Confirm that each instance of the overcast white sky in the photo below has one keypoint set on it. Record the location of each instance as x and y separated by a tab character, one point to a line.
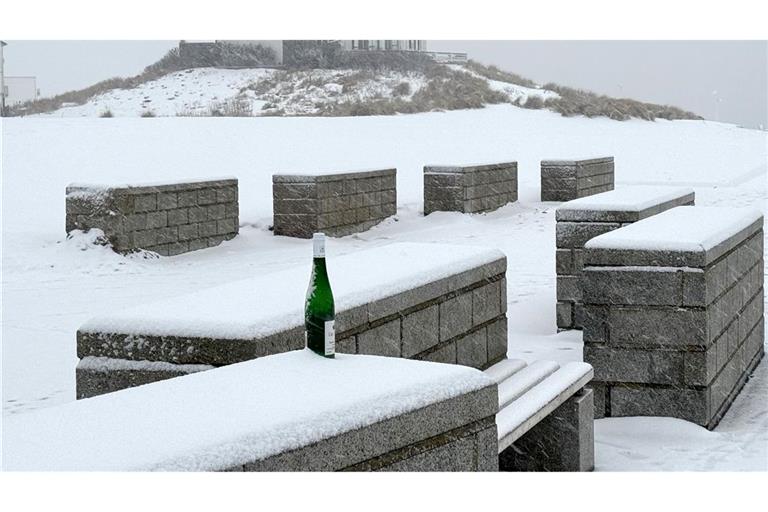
725	80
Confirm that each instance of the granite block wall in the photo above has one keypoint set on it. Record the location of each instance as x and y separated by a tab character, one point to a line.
674	332
458	434
336	204
562	441
564	180
576	224
469	189
460	319
168	219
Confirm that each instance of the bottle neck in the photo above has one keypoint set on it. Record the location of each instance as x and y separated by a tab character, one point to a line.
320	269
318	248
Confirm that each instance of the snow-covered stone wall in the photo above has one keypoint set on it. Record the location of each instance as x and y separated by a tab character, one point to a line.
289	412
336	204
582	219
167	218
673	313
469	189
432	302
563	180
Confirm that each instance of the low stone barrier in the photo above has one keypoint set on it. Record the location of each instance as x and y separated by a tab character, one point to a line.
288	412
469	189
434	302
336	204
564	180
582	219
673	321
168	219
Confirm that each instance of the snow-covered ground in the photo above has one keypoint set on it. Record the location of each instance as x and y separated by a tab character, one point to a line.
187	92
195	92
52	285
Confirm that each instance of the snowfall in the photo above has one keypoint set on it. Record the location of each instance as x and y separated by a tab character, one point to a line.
52	284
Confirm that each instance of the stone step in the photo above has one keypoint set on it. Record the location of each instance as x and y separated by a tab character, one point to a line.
521	415
505	369
518	384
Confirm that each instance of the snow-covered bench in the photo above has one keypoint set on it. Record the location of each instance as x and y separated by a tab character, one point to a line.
546	415
674	312
435	302
563	180
289	412
582	219
338	204
469	188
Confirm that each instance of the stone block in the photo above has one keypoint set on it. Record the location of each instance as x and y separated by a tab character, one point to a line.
496	333
472	349
569	288
421	330
145	203
469	189
635	365
564	180
563	441
383	340
157	219
564	261
486	303
629	286
216	212
455	316
685	403
564	312
136	222
338	204
225	226
185	199
146	217
206	197
576	234
188	232
671	322
347	345
167	201
177	217
445	354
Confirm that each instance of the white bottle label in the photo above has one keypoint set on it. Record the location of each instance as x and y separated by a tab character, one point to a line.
330	338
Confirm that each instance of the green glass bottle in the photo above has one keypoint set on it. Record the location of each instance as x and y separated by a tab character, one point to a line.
319	311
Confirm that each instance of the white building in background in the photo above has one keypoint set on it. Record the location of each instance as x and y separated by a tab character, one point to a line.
404	45
352	45
19	89
413	45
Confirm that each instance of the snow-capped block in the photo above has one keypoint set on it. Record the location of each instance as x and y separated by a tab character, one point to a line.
469	188
336	203
564	180
436	302
673	312
581	219
684	236
168	218
626	204
288	412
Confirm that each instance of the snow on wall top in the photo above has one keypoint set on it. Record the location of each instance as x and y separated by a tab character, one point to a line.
272	303
229	416
74	189
634	198
684	229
